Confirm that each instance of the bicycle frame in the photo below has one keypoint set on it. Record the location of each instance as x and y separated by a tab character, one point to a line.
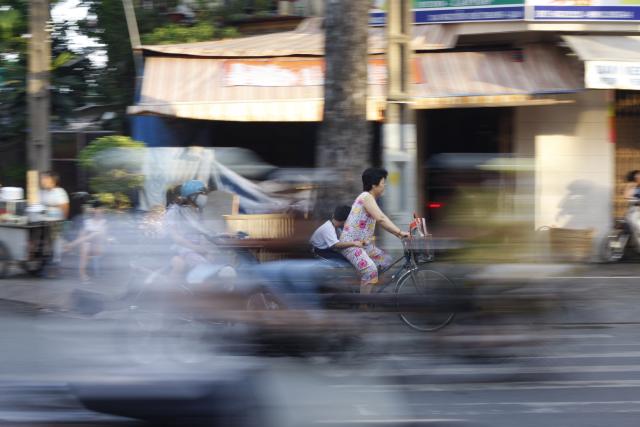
409	265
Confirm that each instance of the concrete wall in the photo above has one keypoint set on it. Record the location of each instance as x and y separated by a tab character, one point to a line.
573	180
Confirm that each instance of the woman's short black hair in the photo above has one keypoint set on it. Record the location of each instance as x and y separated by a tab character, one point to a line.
631	176
341	213
372	176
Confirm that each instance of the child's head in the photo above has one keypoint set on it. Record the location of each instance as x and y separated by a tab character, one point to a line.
340	215
95	208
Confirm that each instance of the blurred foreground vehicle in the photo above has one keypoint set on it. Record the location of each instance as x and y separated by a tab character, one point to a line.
287	298
243	393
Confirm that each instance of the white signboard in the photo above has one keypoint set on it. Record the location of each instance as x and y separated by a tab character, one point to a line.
612	75
583	10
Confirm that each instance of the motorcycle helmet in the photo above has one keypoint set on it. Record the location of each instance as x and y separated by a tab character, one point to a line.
191	188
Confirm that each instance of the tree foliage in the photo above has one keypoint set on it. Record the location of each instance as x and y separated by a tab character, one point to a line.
174	33
114	163
106	23
72	74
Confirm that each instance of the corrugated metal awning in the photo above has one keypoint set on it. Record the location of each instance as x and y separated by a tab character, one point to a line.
605	48
268	90
291	89
495	77
611	62
307	39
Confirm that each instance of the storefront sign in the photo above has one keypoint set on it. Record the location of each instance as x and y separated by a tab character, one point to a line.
584	10
441	11
306	72
612	75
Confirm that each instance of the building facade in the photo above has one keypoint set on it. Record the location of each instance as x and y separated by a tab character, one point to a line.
552	85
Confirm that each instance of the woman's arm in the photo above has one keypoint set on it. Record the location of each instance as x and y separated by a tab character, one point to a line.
374	210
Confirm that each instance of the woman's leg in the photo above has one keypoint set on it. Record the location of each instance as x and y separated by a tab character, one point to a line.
365	266
85	249
379	257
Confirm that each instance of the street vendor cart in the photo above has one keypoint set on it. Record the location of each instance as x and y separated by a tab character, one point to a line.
26	245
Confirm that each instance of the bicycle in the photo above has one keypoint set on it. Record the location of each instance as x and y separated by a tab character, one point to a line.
422	297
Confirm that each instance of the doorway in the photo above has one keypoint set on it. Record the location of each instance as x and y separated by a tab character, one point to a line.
463	148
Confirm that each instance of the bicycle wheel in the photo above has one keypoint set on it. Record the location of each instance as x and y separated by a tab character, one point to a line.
263	301
5	260
424	299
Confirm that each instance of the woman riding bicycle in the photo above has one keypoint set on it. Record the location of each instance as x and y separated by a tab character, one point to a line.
360	226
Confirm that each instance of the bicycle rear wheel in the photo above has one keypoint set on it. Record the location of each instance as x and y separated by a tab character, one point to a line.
424	299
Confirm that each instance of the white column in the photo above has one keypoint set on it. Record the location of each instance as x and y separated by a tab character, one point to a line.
399	153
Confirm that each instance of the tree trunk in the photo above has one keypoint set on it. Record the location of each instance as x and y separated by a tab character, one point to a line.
344	143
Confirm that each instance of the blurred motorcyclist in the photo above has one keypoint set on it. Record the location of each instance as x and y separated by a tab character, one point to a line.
191	239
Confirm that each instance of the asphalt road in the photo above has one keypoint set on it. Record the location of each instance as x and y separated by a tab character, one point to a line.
578	365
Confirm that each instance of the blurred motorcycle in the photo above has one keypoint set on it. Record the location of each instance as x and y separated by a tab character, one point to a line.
618	239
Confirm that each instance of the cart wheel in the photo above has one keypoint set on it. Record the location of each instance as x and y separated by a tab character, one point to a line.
34	267
5	260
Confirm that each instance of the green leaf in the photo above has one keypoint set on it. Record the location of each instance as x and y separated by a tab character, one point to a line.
62	59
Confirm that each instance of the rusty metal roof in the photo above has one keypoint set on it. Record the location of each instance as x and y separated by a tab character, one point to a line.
291	89
535	69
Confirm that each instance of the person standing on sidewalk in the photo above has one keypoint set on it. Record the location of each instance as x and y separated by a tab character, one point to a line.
56	200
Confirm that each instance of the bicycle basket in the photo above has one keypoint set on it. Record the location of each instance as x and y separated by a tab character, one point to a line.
420	248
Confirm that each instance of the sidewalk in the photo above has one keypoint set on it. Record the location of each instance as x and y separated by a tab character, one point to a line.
53	293
42	292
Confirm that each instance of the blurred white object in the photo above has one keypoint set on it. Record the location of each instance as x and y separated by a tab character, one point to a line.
166	167
244	162
11	193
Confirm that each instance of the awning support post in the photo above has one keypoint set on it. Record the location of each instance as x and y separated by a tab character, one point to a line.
399	148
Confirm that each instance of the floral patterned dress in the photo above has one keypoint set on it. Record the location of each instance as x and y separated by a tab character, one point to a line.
361	226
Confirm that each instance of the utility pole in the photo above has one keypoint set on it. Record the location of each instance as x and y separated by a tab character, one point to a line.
134	37
38	98
399	149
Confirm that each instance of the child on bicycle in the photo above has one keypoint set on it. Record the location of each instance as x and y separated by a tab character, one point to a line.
325	241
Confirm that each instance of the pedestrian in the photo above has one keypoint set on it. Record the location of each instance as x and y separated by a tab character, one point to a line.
361	225
54	197
56	200
91	239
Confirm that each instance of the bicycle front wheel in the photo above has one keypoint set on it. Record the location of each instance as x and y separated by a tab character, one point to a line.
424	299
